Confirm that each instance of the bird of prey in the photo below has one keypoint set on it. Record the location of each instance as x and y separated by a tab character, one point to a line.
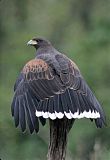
50	86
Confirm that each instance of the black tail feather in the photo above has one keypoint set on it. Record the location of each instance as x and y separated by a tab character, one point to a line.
42	120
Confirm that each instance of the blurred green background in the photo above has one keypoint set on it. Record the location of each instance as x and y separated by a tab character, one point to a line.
78	28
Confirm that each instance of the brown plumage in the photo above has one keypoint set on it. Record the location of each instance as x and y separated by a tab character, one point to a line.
51	86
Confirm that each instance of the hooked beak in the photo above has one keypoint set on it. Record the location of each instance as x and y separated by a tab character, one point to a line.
31	42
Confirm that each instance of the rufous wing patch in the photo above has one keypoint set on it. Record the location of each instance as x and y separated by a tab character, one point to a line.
36	65
37	69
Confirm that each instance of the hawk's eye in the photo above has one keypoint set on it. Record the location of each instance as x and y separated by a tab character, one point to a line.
39	40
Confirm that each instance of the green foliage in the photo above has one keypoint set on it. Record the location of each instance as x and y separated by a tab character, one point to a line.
83	32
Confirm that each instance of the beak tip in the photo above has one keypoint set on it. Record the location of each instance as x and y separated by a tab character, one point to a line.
31	42
27	44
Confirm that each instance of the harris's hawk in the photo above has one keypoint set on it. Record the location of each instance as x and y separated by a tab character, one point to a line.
51	86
